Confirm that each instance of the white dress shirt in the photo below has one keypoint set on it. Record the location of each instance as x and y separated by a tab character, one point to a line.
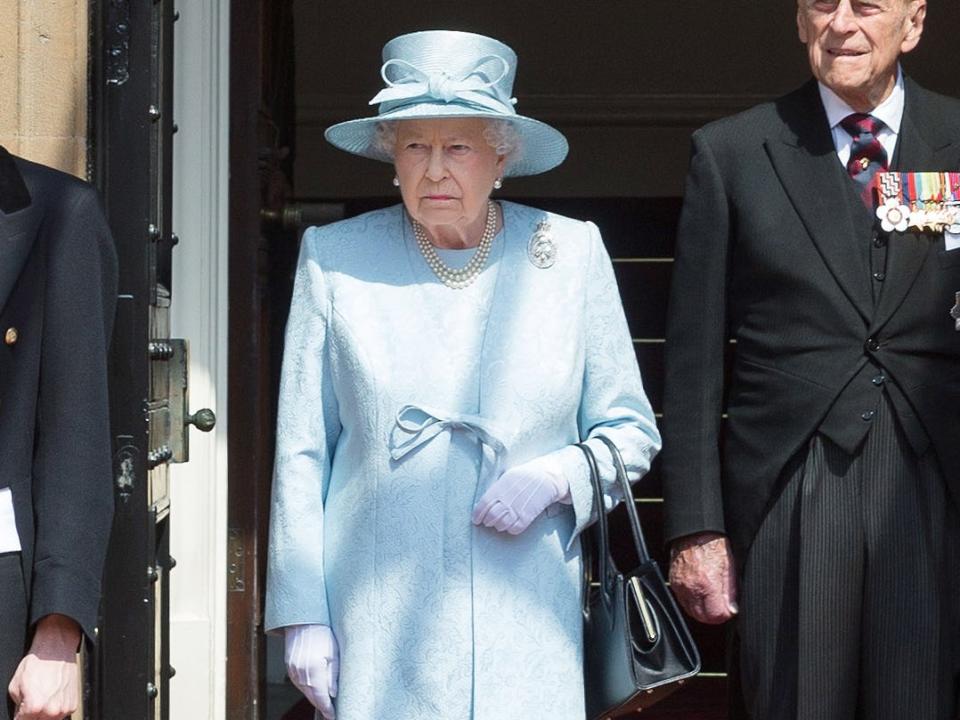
9	539
890	112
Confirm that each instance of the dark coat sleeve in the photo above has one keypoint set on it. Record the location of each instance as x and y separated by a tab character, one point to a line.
696	344
72	487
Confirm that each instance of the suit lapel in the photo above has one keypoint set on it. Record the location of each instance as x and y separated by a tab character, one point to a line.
15	224
806	163
921	147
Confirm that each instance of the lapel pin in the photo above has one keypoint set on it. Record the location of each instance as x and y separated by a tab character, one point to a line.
955	313
10	336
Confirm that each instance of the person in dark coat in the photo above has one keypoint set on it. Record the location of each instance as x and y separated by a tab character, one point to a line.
58	287
821	513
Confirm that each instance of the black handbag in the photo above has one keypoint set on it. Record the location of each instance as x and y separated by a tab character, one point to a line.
637	648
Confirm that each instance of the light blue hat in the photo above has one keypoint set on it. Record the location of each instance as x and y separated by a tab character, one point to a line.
444	73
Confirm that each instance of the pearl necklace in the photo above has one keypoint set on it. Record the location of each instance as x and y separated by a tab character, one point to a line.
453	278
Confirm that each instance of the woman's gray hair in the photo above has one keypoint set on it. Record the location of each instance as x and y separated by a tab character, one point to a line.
501	135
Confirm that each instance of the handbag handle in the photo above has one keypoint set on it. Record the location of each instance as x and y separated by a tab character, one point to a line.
638	538
603	552
639	541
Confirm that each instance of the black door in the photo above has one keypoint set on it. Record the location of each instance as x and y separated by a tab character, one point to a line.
132	110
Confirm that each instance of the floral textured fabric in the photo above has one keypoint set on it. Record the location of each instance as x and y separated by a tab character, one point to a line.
401	400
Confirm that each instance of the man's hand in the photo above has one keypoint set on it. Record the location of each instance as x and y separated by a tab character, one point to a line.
703	577
46	685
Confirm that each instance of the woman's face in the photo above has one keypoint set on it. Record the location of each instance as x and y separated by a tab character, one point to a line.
446	170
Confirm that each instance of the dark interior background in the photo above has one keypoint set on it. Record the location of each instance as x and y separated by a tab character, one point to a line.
627	81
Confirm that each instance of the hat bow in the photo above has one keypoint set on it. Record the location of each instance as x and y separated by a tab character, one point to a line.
413	85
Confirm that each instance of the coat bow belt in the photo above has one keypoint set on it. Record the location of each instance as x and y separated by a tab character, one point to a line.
417	425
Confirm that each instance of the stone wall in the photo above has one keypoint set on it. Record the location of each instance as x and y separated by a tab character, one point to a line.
43	81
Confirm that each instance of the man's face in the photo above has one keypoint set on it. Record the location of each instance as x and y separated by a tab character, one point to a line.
853	45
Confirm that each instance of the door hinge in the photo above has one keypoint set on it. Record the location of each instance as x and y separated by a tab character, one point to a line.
236	561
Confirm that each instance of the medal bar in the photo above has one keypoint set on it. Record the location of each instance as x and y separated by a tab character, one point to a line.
925	201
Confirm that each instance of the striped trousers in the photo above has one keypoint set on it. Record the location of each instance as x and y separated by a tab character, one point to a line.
850	594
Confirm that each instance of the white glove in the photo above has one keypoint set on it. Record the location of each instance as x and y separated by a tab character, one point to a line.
313	664
517	497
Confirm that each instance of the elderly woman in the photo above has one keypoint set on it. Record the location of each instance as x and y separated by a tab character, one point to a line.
442	358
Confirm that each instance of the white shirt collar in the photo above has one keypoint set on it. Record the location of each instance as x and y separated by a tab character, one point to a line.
890	111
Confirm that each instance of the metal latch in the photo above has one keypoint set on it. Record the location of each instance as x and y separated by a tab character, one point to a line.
175	355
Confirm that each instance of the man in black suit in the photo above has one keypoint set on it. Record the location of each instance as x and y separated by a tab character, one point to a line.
58	284
822	512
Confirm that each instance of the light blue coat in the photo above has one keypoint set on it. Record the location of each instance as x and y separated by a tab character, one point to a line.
400	401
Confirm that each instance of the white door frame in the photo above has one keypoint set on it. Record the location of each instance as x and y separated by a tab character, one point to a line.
199	313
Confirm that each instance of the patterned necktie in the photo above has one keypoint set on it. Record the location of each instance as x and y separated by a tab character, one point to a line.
867	156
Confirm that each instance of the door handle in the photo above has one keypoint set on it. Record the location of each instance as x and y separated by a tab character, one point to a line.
203	420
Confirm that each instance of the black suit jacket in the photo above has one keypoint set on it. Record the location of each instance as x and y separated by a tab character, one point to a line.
769	254
58	284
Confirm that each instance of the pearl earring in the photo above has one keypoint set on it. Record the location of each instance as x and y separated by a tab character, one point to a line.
396	181
497	184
